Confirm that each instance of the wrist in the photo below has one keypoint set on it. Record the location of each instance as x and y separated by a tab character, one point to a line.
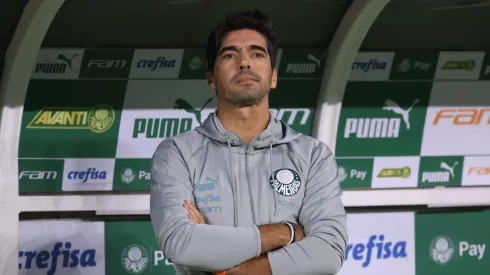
292	232
236	270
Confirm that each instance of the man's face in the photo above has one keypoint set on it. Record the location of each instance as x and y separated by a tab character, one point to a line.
243	74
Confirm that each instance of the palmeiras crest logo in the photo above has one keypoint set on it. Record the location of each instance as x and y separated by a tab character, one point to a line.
285	181
442	250
135	259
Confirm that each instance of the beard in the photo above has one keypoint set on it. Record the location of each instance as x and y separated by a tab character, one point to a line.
246	95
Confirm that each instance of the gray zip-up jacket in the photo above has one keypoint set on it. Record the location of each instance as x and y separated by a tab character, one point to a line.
280	176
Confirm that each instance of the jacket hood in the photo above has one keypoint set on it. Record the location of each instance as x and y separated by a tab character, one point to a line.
277	132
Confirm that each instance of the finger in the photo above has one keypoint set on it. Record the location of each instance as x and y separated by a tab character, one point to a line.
195	220
192	219
193	209
197	215
188	207
194	215
201	220
192	212
200	217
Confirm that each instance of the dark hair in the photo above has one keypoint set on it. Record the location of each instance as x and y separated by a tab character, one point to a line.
252	19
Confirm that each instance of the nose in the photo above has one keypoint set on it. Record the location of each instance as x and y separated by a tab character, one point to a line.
244	62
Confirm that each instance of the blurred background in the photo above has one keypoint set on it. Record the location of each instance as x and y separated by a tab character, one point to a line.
399	90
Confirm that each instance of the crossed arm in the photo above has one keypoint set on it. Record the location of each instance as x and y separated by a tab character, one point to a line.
272	236
215	248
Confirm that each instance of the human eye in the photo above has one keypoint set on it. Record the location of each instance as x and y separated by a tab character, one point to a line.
227	55
259	55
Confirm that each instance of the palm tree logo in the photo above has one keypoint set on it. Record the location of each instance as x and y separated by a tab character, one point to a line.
184	105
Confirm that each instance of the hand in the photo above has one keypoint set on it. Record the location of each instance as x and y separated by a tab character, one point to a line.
237	270
240	269
194	215
258	265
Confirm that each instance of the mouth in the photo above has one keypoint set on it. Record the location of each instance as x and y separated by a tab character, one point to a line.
246	79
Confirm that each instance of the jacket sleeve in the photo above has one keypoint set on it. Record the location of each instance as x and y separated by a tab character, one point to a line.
323	218
197	246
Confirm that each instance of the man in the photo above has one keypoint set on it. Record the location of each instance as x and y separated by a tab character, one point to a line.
256	182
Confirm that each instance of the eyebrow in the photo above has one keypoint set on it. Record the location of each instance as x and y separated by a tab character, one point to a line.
228	48
257	47
235	49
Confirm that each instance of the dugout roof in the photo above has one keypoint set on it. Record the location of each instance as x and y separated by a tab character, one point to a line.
402	25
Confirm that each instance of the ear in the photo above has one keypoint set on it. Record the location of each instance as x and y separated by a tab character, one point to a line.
210	78
274	79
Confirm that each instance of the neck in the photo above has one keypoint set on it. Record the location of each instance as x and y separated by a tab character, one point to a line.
246	122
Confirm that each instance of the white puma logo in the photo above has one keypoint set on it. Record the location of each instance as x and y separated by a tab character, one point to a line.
391	105
445	166
316	60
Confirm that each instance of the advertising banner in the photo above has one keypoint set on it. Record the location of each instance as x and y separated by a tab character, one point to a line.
383	243
94	117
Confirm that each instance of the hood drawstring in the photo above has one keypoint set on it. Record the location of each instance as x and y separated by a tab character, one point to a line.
272	170
277	132
233	183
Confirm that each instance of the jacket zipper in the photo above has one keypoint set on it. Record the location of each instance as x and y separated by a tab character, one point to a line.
247	150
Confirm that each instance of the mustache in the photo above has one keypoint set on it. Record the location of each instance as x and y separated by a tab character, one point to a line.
254	76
